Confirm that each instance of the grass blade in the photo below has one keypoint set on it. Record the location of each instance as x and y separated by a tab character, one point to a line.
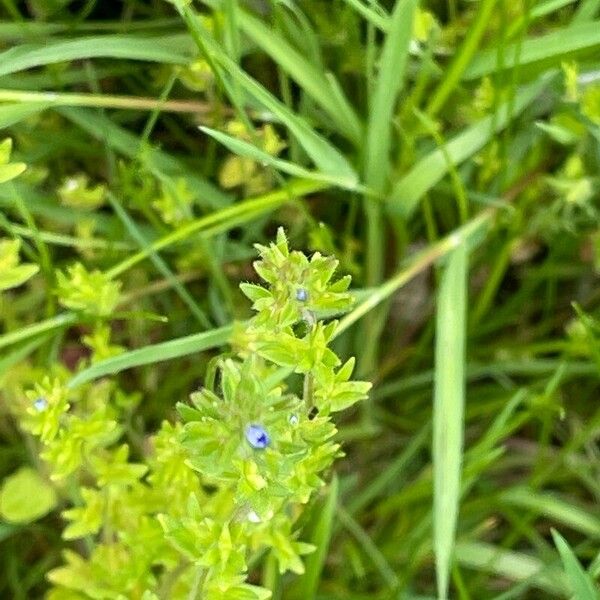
515	566
183	346
554	508
581	583
463	56
326	157
224	219
394	58
553	48
448	410
173	49
24	333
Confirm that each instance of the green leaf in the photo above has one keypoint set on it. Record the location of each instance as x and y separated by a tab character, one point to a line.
555	508
448	410
17	276
552	47
26	497
581	583
153	353
10	171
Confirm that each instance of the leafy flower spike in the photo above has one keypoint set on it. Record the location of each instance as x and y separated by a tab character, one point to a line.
296	283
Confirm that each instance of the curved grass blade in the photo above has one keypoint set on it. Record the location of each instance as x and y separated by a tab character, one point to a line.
462	57
448	410
228	217
325	156
172	49
581	583
183	346
389	83
555	508
551	48
514	566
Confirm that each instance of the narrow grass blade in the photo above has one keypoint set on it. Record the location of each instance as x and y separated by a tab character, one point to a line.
370	549
243	148
448	410
392	474
552	48
320	536
555	508
409	190
307	75
184	346
172	49
394	58
580	582
22	352
24	333
377	18
514	566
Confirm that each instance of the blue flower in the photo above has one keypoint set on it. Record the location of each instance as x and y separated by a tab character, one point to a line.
40	404
257	436
301	295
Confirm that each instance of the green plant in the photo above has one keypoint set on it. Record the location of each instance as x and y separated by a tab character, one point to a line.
447	153
181	516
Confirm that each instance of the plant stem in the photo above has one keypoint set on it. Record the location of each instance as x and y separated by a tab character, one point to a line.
103	101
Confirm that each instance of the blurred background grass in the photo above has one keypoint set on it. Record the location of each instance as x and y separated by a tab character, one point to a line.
446	152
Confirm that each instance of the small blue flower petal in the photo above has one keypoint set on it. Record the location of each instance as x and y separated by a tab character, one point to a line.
293	419
40	404
301	295
257	436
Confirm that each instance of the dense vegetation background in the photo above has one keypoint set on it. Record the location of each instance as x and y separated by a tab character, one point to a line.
162	140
